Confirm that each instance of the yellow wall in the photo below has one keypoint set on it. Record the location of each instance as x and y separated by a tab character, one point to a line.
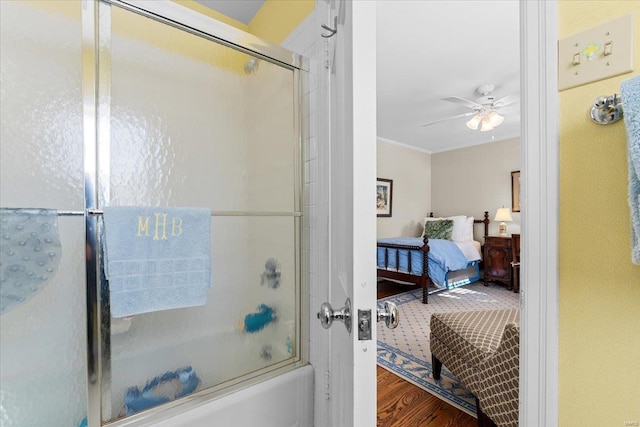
212	14
276	19
599	379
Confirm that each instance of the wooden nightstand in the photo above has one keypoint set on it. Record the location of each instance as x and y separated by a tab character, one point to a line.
497	260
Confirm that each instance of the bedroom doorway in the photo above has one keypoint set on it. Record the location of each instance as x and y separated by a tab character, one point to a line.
539	158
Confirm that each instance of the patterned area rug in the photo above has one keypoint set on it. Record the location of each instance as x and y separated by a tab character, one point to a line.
405	350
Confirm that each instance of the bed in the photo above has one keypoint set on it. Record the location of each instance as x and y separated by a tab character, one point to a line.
439	263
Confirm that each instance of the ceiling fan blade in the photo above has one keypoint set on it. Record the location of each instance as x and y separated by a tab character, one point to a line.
507	100
462	101
449	118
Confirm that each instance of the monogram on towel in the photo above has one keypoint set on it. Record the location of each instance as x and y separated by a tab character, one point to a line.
160	226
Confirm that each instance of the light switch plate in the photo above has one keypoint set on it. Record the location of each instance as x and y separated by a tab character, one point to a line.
597	53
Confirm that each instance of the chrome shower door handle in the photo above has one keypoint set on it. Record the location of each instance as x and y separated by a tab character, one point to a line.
327	315
389	314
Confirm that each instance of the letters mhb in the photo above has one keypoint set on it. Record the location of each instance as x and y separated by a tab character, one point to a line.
162	227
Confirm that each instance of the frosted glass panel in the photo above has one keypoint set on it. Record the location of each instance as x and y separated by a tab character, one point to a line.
42	340
229	337
41	161
193	123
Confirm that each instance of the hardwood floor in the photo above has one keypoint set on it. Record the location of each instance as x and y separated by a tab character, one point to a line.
402	404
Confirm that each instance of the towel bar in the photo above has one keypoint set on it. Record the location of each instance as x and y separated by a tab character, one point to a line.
94	212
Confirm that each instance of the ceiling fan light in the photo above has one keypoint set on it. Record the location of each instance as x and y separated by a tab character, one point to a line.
474	122
495	119
486	125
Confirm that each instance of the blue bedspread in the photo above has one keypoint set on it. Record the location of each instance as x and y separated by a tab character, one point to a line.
444	256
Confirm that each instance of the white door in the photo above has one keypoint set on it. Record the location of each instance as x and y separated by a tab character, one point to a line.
345	393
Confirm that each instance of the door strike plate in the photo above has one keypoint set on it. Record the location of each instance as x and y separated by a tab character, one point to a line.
364	325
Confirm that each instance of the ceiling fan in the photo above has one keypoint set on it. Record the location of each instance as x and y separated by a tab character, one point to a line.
485	111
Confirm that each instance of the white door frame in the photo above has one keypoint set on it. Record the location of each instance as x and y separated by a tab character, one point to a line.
539	160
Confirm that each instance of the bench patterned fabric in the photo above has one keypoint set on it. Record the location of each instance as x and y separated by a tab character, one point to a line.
481	348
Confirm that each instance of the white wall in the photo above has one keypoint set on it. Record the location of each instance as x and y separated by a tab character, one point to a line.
410	170
472	180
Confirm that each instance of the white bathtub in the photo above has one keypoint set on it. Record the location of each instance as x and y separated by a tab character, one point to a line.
159	342
284	401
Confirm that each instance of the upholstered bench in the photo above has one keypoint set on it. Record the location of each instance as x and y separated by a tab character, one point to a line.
481	348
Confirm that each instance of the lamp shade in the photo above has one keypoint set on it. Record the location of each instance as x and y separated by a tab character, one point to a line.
495	119
486	125
485	120
503	214
474	122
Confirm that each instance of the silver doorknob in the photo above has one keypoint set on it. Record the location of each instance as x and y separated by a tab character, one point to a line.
390	315
327	315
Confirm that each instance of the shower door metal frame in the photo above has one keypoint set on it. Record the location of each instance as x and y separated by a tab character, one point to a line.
96	130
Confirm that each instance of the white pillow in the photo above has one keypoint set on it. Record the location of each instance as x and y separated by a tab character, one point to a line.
469	227
460	231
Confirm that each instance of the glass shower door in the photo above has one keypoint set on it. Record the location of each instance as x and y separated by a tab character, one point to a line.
42	267
186	121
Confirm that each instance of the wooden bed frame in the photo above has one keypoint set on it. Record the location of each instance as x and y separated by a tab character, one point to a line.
424	280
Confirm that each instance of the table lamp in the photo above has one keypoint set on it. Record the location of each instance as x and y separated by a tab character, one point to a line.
503	214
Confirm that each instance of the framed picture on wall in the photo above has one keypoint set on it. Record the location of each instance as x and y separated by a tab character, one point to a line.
384	196
515	191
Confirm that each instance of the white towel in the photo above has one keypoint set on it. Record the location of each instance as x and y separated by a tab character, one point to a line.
630	92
